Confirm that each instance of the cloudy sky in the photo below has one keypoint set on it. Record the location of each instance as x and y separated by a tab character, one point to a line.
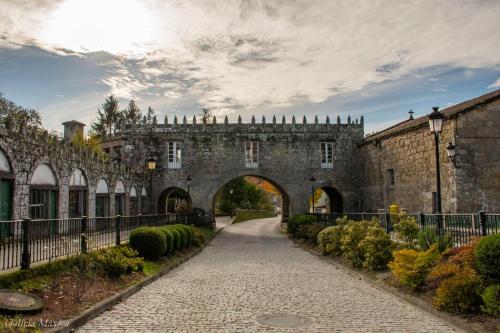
283	57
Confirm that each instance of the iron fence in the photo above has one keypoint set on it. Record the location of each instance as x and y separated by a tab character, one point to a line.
463	228
23	242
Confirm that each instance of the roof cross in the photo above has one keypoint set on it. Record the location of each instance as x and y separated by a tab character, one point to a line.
411	114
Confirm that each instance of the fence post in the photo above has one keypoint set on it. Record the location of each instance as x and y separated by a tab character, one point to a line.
421	217
482	223
117	229
83	235
363	216
140	220
26	255
387	222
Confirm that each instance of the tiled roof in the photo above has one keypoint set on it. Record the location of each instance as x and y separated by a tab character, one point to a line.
419	122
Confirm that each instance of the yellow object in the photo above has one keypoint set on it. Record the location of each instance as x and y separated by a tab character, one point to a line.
394	209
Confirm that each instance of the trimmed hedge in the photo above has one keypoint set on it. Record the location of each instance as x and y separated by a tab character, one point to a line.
150	242
183	234
170	239
294	222
189	232
177	237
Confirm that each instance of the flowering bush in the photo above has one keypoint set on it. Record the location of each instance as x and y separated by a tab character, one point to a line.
407	230
376	248
459	293
411	267
329	240
354	233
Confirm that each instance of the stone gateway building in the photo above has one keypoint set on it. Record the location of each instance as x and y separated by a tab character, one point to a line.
45	177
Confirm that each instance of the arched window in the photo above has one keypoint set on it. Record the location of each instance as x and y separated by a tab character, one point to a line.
78	194
119	198
43	193
133	201
144	201
102	199
6	190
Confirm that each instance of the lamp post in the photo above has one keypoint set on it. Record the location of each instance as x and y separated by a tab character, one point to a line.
312	180
436	125
232	209
151	165
188	184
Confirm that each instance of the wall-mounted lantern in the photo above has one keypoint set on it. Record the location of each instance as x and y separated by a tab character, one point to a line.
452	154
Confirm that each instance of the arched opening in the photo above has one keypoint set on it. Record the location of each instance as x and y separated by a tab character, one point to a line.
78	194
174	200
120	198
327	200
44	192
251	192
144	201
133	201
102	198
6	194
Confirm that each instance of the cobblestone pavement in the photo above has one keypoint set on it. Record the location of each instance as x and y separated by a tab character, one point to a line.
249	270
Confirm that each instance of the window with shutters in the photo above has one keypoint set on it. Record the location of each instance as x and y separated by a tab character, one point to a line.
174	155
326	155
251	154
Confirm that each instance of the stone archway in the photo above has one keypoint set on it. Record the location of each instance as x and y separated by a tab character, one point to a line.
336	202
173	199
285	198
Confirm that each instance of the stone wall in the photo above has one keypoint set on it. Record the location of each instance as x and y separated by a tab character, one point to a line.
213	154
478	162
27	149
471	186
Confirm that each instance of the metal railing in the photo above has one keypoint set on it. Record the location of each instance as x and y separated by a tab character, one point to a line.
23	242
463	228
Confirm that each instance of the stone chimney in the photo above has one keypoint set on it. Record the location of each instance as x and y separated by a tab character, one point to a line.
72	128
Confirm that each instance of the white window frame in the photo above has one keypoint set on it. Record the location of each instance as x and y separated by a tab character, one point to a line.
251	154
174	155
326	149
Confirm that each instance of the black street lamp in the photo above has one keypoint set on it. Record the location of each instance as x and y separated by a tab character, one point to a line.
436	125
151	165
312	180
188	184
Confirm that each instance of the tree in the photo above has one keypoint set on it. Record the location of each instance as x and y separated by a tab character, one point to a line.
239	193
132	114
150	117
13	116
109	119
206	114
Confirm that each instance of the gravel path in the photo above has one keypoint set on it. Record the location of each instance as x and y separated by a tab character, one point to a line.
252	279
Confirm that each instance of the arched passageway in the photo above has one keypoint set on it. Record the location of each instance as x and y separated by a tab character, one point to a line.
174	200
327	200
231	196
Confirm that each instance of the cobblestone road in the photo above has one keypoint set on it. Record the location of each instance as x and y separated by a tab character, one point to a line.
250	270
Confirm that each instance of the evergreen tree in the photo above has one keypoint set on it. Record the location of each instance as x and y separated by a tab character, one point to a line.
132	114
149	117
109	119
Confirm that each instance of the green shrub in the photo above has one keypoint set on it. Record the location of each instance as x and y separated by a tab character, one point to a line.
177	237
198	238
491	300
407	230
297	220
309	232
411	267
376	248
183	235
354	233
329	240
427	237
170	239
189	232
459	293
113	262
150	242
487	254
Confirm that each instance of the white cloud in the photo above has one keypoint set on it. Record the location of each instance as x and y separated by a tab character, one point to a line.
250	54
495	84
